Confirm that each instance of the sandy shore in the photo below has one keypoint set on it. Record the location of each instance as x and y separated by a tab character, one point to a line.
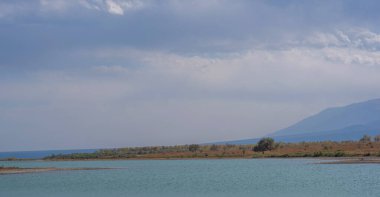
16	170
360	160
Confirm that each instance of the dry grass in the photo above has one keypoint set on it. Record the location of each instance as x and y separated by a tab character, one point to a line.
328	149
305	149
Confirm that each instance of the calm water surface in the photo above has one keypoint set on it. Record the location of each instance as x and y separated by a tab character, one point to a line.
211	178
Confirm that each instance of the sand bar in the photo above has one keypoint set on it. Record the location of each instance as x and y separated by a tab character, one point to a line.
354	161
17	170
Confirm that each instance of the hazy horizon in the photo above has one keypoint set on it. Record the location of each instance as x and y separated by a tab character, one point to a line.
78	74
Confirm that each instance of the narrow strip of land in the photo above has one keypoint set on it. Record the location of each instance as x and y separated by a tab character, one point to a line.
267	149
17	170
354	161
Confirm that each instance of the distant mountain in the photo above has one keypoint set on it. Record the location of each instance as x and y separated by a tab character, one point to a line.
349	122
364	115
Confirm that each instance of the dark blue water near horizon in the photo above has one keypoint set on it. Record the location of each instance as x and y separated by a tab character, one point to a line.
41	154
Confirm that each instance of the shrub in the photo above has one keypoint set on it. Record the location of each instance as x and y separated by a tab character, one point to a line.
264	144
214	147
365	138
339	154
318	154
193	147
377	138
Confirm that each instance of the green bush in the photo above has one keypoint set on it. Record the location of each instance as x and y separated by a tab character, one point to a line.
365	138
193	147
339	154
318	154
265	144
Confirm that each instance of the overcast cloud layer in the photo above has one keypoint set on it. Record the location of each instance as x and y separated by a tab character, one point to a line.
114	73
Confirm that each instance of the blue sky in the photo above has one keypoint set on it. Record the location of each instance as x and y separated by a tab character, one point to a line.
114	73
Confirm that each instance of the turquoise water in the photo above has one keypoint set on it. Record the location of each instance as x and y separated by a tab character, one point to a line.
169	178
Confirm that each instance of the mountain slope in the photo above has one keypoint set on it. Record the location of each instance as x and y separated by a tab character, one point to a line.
364	113
348	133
350	122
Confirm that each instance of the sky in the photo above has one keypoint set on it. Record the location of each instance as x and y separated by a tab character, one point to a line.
116	73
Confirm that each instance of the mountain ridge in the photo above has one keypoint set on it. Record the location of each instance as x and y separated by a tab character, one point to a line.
335	118
349	122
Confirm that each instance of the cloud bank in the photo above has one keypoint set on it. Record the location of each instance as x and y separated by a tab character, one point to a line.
112	73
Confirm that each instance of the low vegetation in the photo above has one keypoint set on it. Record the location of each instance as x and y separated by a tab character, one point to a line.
266	147
8	167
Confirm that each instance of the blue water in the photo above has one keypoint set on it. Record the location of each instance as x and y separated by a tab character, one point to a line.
41	154
211	178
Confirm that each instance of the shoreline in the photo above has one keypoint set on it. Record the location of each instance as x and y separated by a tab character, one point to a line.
359	160
324	160
17	170
217	158
340	159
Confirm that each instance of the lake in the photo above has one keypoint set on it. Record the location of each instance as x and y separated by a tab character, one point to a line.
211	178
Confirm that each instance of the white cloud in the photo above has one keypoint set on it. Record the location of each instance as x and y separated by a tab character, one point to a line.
114	8
352	56
132	4
357	46
325	55
91	6
346	38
